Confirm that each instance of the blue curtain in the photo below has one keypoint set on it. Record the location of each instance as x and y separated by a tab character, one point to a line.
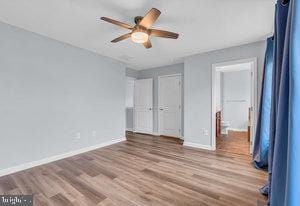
261	143
284	148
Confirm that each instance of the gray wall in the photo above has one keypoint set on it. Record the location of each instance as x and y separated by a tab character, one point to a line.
49	92
155	73
197	87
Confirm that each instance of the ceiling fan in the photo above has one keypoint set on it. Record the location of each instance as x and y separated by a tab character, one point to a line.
141	32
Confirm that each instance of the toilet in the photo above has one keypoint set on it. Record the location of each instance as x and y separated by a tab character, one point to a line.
224	127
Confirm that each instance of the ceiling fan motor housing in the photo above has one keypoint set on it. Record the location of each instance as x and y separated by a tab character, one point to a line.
137	19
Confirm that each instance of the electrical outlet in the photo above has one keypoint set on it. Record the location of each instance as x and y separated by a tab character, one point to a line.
205	132
78	135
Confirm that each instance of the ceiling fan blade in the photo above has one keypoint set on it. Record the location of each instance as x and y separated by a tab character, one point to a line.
118	23
163	34
150	18
147	44
120	38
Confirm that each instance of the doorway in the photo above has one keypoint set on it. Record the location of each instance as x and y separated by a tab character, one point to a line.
129	103
169	105
234	95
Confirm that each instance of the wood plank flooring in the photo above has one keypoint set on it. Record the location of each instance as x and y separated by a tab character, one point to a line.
144	170
235	142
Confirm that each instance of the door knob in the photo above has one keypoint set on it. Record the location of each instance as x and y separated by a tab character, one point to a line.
161	109
150	108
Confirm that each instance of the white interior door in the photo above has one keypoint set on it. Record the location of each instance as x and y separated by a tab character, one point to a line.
169	105
143	106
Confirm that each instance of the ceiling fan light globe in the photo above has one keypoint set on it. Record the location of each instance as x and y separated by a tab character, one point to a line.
139	37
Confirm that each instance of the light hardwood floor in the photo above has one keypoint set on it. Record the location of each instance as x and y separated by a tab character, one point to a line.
144	170
235	142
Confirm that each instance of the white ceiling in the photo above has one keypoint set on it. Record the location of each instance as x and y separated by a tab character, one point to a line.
203	25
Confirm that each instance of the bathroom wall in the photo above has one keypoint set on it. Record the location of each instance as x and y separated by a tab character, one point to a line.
236	91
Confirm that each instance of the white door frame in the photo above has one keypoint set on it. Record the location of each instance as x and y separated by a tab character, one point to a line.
159	101
254	103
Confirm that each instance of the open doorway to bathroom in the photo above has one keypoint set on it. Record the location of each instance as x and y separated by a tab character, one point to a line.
233	106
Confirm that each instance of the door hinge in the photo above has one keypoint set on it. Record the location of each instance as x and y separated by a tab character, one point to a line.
179	82
179	106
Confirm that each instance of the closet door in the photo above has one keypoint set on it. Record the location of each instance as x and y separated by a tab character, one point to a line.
169	103
143	106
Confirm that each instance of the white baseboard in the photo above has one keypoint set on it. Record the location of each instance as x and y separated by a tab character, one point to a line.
129	129
200	146
237	130
57	157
